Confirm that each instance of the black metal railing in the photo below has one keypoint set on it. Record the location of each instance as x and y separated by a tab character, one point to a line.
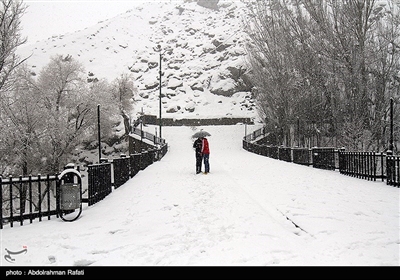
28	198
393	170
148	136
99	182
363	165
116	172
302	156
324	158
121	168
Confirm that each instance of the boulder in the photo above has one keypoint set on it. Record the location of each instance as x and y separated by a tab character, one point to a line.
174	83
225	87
190	107
209	4
150	82
197	86
220	46
139	67
173	109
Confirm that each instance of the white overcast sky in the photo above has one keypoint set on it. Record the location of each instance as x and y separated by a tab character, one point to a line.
44	19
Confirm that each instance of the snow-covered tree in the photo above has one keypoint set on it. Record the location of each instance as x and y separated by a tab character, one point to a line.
124	91
21	124
62	90
10	39
326	67
11	12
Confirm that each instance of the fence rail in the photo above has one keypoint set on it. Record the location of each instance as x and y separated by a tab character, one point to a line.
302	156
99	182
146	135
30	198
393	170
363	165
114	173
122	170
324	158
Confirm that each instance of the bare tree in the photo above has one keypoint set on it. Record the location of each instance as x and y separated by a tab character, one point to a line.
279	86
70	106
332	65
11	12
383	70
63	91
123	92
45	117
10	39
20	121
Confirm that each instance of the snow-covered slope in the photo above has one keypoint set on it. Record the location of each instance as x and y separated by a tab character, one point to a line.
203	58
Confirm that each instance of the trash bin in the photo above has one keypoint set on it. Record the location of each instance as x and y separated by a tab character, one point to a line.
70	197
69	194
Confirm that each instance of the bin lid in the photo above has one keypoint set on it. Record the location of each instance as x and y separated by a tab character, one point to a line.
66	171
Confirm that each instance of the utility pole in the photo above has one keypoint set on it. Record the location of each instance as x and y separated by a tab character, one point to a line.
160	90
298	132
141	126
391	147
98	130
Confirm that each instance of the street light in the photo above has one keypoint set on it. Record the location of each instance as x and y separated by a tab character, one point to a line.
391	146
98	131
158	49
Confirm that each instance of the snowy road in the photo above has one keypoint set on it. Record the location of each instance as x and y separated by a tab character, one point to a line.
250	210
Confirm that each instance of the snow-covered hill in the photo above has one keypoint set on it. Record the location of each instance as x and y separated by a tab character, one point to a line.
202	50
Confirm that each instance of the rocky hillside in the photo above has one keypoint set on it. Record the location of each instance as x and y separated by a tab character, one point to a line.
202	56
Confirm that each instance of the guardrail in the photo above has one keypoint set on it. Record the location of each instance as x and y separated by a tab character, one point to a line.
363	165
37	197
104	176
28	198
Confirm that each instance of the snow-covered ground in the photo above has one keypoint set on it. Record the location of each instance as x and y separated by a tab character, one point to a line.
244	213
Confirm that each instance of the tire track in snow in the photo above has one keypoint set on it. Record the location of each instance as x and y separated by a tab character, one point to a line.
270	209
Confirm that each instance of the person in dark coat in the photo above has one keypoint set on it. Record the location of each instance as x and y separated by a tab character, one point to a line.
199	156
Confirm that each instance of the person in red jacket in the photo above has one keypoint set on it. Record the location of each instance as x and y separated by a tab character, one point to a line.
205	150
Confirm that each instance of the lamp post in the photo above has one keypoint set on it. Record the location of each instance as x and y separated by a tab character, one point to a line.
298	132
391	147
141	125
158	49
160	92
98	131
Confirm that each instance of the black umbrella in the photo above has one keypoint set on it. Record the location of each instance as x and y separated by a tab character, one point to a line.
201	134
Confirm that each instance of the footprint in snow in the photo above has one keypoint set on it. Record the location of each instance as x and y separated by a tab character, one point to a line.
83	262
